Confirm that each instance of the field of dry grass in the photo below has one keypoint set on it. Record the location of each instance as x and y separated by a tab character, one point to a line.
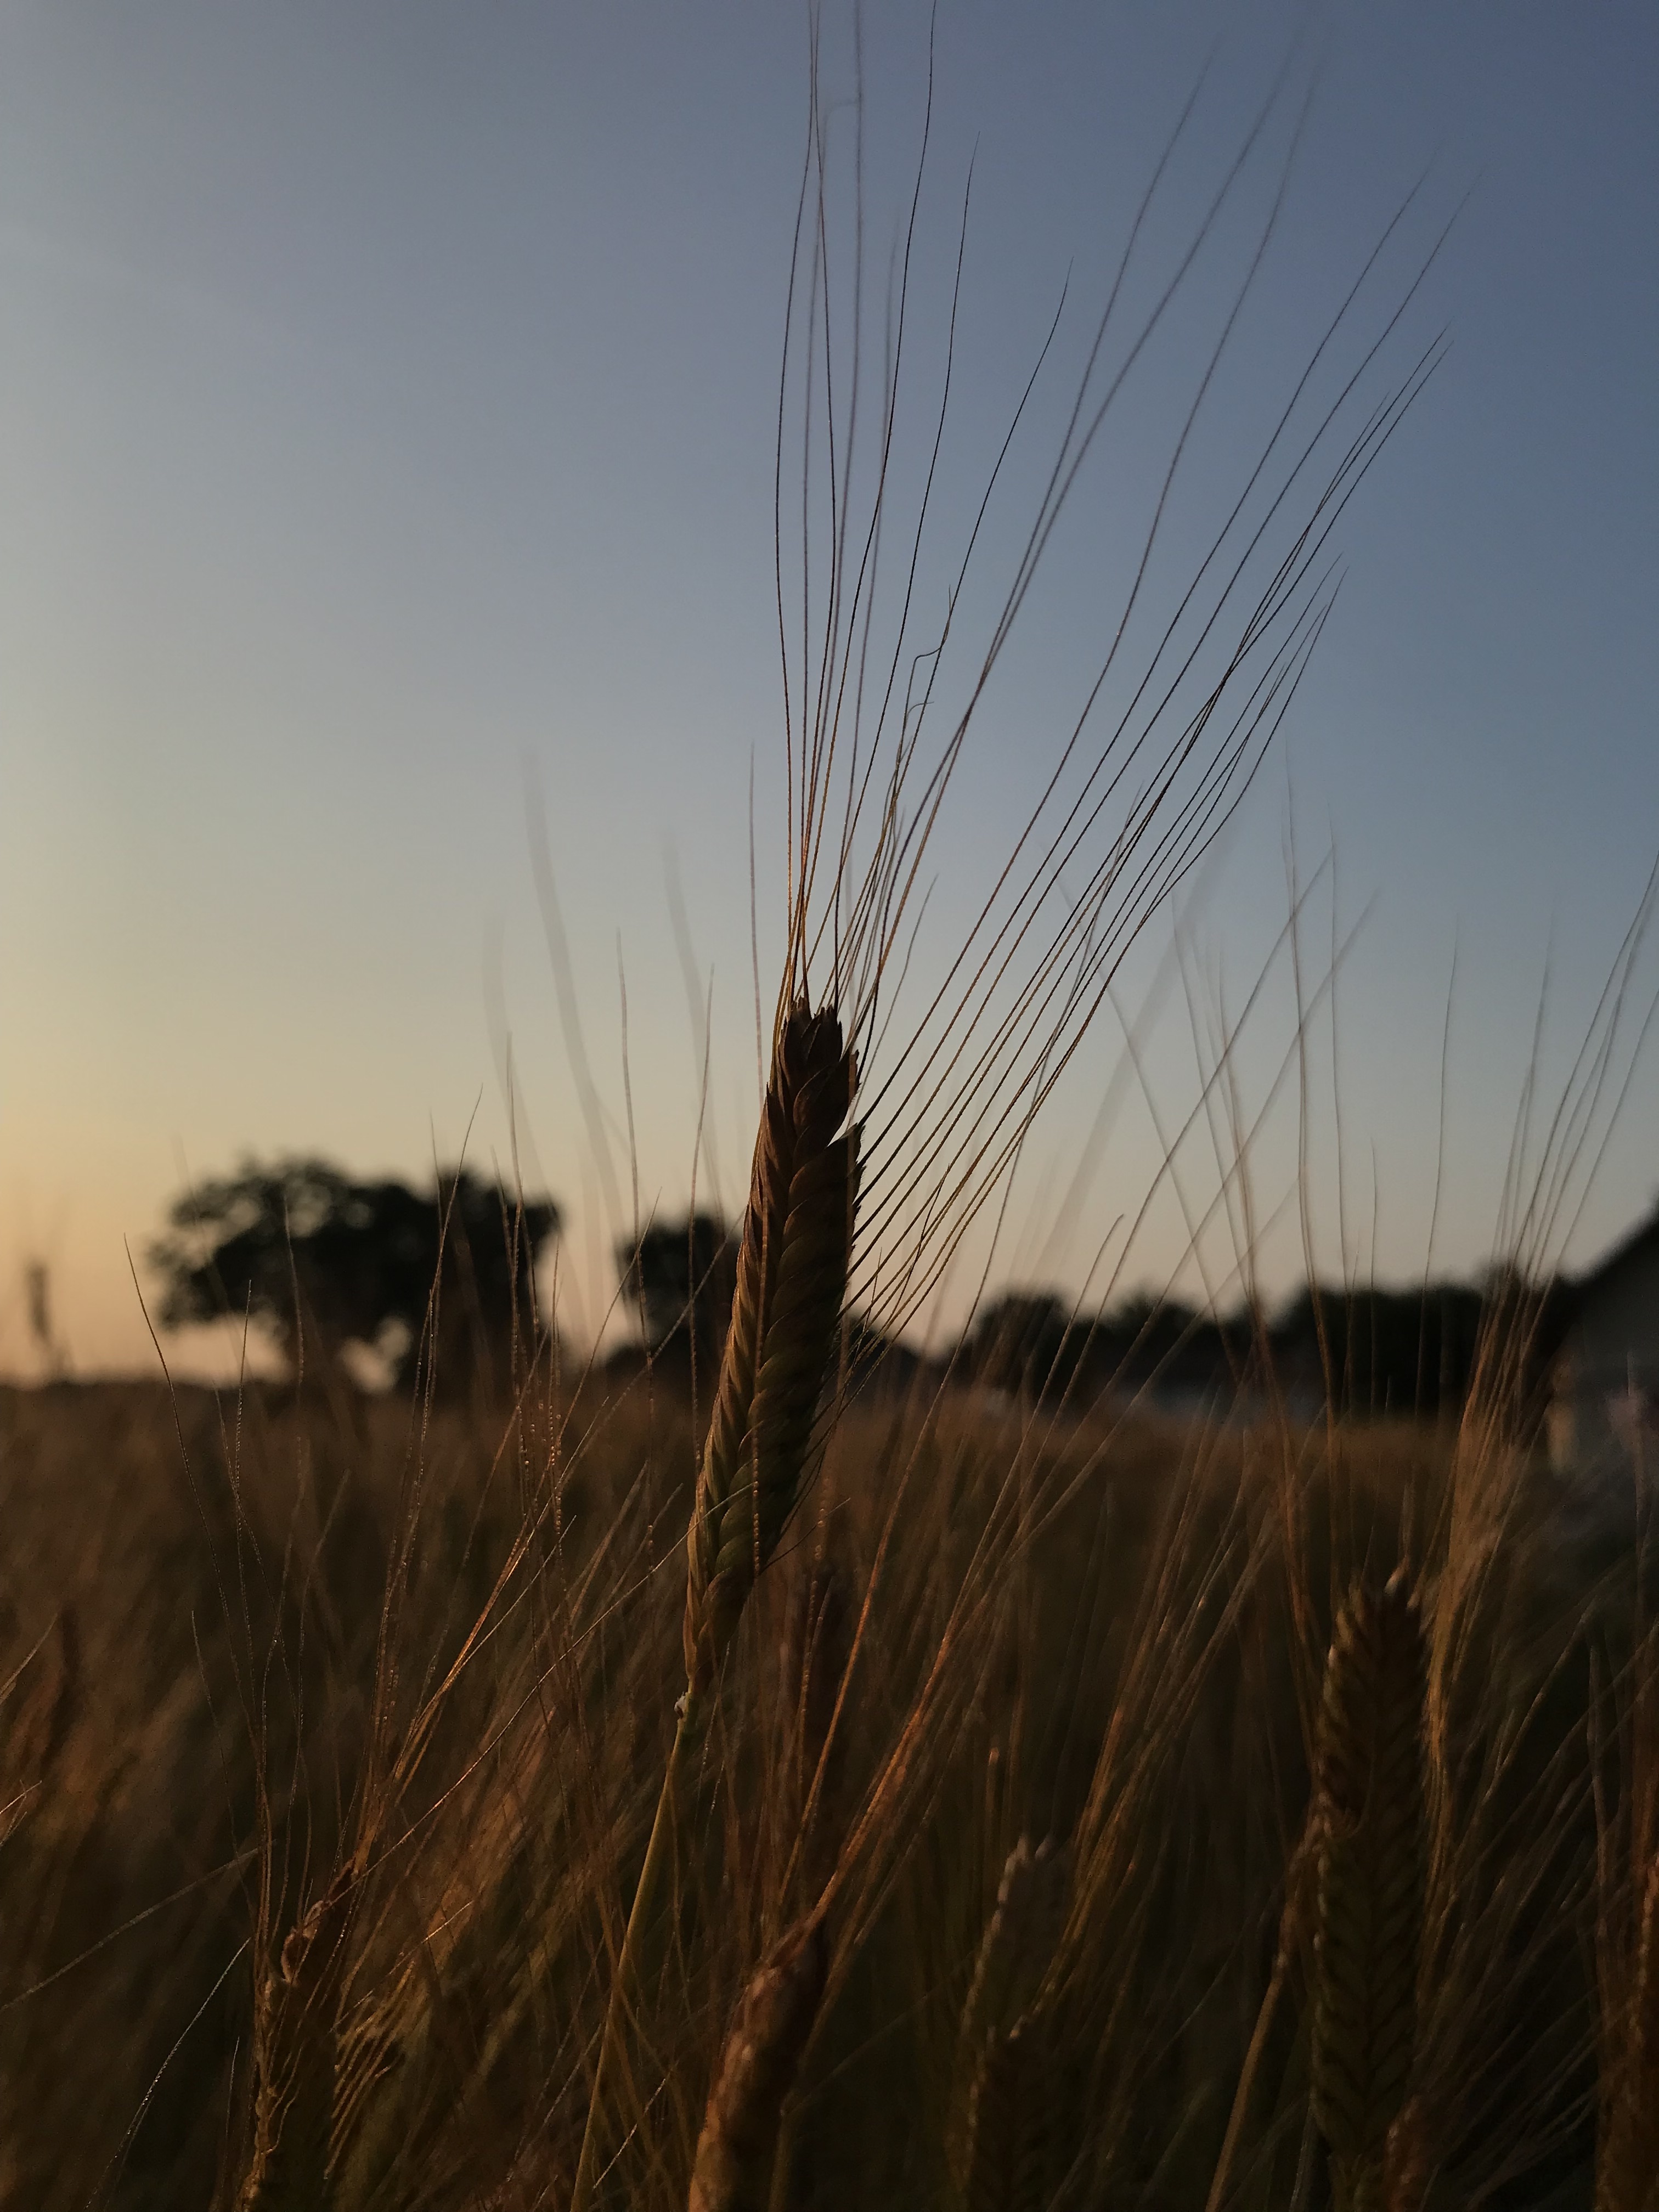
850	1799
407	1686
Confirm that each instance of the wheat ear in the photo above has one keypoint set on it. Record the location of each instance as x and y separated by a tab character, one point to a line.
295	2052
792	1266
791	1279
1002	2123
1372	1844
738	2147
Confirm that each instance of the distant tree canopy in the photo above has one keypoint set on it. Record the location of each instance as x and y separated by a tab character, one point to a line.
1420	1350
319	1262
680	1280
1020	1343
1365	1351
1033	1346
1383	1351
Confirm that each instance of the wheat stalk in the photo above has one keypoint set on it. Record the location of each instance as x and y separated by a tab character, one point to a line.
973	1057
1301	1878
793	1264
737	2147
1368	1944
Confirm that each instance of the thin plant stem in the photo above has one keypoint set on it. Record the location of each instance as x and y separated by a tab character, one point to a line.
632	1961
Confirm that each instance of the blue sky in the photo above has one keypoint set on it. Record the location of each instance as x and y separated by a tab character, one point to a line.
387	400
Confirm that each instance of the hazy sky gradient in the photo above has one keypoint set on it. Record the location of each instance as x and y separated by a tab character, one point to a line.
386	411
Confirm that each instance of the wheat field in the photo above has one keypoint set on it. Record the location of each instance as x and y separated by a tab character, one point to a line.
803	1791
1012	1867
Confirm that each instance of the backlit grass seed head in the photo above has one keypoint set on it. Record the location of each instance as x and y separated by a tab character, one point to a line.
989	2129
737	2147
1371	1855
899	1097
1019	1942
295	2054
793	1264
791	1277
895	615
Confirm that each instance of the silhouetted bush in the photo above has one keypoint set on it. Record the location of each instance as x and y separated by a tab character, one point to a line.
441	1282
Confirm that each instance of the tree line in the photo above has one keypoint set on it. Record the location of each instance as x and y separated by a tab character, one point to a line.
438	1285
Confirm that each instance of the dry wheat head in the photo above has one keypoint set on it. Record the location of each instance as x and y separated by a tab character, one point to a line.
1003	2126
740	2139
791	1277
1371	1855
295	2054
1019	1942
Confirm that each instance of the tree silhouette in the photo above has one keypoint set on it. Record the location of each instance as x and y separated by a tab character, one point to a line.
1030	1344
680	1280
1374	1350
1016	1342
319	1262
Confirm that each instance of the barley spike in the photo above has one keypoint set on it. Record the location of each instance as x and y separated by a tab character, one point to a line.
793	1264
1367	1950
791	1277
295	2054
738	2144
993	2100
